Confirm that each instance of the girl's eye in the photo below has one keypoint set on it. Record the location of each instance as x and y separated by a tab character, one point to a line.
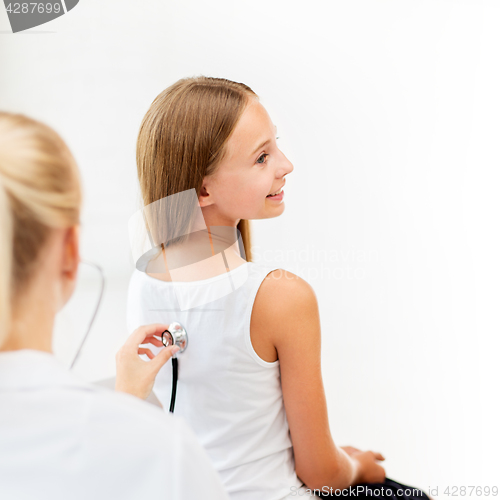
262	156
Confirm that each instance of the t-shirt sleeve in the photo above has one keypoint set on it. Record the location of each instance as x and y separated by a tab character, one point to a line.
196	477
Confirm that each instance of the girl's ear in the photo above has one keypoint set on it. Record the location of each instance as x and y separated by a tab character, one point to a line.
205	199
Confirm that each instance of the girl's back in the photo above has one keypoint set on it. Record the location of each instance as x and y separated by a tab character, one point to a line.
230	397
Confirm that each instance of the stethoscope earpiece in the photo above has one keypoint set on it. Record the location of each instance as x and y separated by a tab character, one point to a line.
175	335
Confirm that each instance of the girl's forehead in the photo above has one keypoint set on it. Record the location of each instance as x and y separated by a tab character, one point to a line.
254	115
253	128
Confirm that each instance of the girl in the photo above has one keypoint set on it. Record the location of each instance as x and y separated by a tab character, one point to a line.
252	392
60	437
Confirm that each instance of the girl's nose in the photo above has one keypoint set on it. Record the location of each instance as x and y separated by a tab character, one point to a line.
286	166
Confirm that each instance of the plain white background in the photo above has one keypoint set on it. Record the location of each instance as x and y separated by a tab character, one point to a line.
389	111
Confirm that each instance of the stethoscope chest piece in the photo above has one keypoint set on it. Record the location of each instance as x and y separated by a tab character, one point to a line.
175	335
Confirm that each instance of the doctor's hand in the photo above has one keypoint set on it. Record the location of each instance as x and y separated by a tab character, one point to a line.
135	375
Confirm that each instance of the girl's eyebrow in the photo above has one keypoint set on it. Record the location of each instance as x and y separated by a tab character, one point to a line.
264	143
261	146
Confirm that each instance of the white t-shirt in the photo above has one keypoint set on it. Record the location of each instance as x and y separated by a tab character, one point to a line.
62	439
230	397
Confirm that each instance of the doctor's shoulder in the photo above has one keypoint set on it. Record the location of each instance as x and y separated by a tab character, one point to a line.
152	444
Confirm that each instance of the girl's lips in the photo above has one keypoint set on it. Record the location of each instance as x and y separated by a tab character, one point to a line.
277	197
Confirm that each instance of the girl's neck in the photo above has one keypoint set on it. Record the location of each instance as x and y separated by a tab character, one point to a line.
203	255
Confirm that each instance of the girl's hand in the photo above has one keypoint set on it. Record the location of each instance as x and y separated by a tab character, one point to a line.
369	471
134	375
350	450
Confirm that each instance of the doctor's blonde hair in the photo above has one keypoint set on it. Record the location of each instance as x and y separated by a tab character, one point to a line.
39	190
182	139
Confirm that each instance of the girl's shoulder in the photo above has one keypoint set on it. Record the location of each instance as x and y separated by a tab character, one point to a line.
284	304
285	285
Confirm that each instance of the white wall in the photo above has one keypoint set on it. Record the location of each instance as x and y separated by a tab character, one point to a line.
389	111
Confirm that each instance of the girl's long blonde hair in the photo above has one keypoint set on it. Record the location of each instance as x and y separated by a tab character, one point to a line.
182	139
39	190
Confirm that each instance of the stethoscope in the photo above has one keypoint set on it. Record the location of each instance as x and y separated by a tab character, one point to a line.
175	335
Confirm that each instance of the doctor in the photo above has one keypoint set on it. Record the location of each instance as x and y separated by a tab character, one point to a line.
61	438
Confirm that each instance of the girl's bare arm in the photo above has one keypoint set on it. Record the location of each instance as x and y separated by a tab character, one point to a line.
285	320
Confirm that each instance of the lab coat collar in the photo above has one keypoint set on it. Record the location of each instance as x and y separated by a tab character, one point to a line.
32	369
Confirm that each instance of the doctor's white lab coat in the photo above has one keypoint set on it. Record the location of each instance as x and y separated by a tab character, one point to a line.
62	438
